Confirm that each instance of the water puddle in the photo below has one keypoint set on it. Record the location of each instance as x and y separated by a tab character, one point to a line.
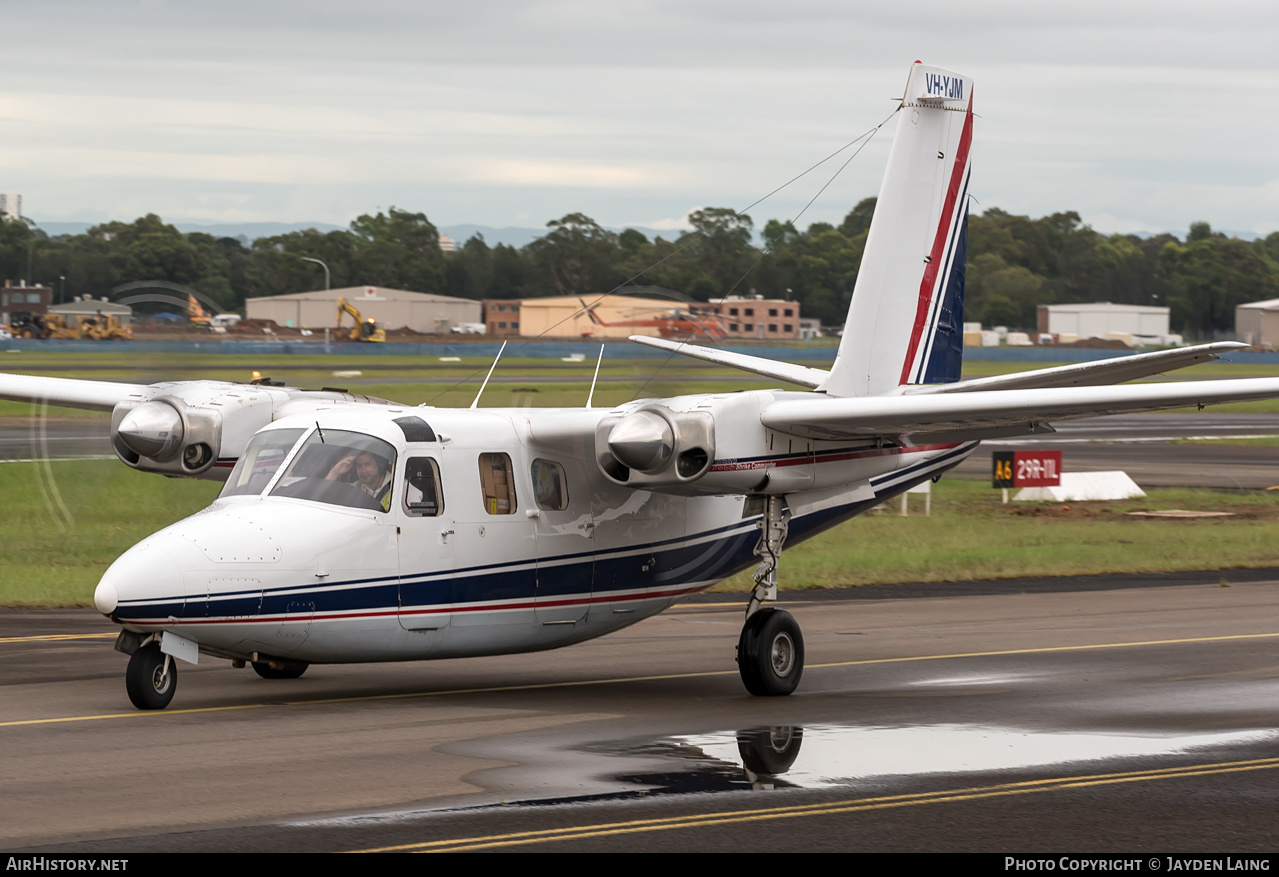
824	756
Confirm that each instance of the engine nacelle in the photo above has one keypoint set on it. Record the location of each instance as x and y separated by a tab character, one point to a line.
194	429
166	435
654	447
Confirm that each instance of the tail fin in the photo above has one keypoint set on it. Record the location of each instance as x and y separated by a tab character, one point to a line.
905	324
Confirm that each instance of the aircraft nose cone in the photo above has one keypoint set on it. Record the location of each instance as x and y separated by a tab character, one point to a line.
642	441
145	581
106	598
153	430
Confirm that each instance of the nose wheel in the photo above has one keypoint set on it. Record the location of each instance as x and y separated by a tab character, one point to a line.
152	678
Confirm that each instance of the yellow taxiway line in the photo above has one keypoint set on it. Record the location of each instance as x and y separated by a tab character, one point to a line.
853	805
54	637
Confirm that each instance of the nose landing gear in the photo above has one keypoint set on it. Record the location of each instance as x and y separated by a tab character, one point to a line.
770	650
152	678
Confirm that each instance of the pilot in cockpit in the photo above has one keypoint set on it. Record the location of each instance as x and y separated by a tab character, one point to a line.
372	473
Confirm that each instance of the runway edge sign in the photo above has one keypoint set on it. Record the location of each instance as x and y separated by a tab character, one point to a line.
1025	469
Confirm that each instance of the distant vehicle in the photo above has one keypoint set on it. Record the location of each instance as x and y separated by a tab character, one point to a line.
196	315
675	323
104	328
5	334
41	326
224	321
469	329
363	330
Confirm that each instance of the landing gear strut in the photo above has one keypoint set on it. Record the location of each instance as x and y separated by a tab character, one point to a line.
770	651
152	678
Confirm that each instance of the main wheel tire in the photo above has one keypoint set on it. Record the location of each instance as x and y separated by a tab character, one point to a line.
150	683
291	670
770	653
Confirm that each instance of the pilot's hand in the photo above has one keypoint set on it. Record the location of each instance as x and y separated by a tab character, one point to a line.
341	468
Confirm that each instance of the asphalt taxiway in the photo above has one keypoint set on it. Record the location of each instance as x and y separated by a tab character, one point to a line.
1122	715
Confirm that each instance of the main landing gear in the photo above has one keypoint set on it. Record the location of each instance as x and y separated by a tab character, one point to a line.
770	651
152	678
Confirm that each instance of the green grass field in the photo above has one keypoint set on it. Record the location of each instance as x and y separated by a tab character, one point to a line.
62	523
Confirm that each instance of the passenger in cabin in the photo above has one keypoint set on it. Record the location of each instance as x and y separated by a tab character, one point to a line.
421	491
372	474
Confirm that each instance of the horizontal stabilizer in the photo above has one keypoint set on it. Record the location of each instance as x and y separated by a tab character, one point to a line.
1090	374
65	392
783	371
984	413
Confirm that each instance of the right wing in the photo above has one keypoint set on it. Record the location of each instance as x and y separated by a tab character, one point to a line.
993	413
1085	374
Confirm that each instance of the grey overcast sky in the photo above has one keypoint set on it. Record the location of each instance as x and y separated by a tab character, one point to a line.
1141	116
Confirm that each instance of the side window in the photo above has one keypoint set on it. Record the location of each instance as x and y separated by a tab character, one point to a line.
422	495
498	484
550	488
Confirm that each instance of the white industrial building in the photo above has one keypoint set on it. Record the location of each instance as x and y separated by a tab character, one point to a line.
88	306
1257	323
422	312
10	205
1129	323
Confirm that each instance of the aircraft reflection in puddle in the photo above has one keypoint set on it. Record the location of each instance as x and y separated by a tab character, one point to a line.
833	755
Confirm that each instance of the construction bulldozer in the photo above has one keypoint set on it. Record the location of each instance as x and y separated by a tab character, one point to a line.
41	326
363	330
105	328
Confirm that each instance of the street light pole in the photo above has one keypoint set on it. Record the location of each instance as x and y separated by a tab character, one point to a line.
322	265
326	283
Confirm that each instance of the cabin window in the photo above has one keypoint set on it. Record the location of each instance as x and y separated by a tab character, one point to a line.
550	488
260	461
422	495
498	484
341	468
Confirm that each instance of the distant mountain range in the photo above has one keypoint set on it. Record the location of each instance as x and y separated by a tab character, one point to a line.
247	232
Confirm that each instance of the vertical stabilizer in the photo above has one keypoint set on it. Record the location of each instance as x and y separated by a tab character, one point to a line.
905	324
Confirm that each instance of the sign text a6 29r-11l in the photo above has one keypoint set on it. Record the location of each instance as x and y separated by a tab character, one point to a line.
1026	468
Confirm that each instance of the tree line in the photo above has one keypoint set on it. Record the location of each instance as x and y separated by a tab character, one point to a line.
1014	263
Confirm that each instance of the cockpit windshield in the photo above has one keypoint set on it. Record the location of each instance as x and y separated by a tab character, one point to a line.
341	468
260	461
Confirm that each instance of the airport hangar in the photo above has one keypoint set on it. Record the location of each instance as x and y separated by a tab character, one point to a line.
423	312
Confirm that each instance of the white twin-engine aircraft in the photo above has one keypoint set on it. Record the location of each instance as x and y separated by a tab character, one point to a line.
352	529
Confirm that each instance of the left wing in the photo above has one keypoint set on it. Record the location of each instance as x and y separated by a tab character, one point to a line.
66	392
993	413
188	428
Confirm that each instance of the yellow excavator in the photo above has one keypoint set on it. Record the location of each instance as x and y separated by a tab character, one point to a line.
363	330
196	315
